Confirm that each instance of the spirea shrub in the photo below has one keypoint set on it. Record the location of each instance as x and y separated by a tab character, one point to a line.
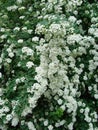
48	65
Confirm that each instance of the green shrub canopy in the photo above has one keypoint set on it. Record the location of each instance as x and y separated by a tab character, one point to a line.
48	65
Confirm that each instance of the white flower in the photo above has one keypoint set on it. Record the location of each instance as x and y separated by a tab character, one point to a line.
1	92
52	1
22	79
6	109
17	81
91	30
21	17
79	21
11	54
45	122
9	117
72	19
16	29
20	41
96	96
55	28
26	111
79	103
3	36
81	110
24	49
85	77
89	88
27	50
2	29
50	127
30	31
62	122
35	39
8	60
60	101
36	86
29	64
15	121
93	20
12	8
83	104
21	8
14	103
22	122
24	28
42	40
87	119
0	60
71	39
31	126
87	110
0	75
70	126
63	107
8	50
19	1
14	88
96	33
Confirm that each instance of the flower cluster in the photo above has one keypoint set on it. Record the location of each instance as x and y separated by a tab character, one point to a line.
49	65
